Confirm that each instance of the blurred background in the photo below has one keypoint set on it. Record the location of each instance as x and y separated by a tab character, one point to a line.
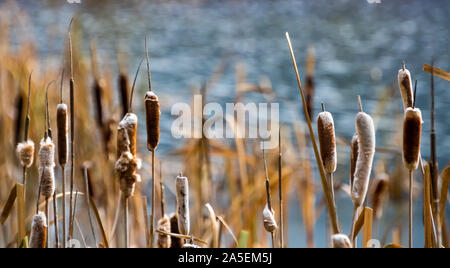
357	48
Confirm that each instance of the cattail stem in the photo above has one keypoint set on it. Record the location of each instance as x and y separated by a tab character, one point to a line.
72	130
55	220
269	202
161	186
410	208
152	217
352	232
331	182
63	189
280	189
46	216
125	220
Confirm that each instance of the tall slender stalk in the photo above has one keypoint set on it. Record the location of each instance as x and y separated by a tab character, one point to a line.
72	131
328	197
280	189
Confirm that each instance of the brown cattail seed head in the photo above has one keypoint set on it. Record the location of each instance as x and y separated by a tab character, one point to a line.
25	152
126	166
46	167
353	157
175	242
366	143
327	140
164	241
379	189
47	179
405	84
182	186
127	130
152	114
47	153
63	137
341	241
38	235
270	223
412	127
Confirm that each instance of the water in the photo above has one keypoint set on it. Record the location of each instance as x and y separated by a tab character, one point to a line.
359	49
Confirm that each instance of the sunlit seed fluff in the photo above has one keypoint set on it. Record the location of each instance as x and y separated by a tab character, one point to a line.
47	153
152	114
341	241
379	190
164	241
412	128
354	150
182	186
327	140
25	152
126	136
38	236
270	224
405	85
62	132
126	167
366	150
190	246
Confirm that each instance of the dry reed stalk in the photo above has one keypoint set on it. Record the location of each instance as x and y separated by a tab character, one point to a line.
88	197
269	221
152	114
436	71
405	85
412	127
182	189
145	213
444	190
38	236
368	224
341	241
72	131
327	142
215	232
280	190
366	150
328	196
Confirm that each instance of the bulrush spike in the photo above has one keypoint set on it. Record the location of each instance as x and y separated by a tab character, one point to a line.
182	188
405	85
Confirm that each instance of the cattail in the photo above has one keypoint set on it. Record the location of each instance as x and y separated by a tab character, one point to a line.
405	84
38	235
379	190
412	127
126	136
182	186
152	113
25	152
366	151
164	241
325	128
341	241
63	137
46	167
175	241
270	223
354	150
126	166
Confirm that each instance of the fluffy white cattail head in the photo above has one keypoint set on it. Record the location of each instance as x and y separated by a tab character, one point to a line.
366	147
38	235
25	152
270	224
63	129
164	241
405	85
47	153
126	166
341	241
182	186
412	128
354	149
327	140
126	136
